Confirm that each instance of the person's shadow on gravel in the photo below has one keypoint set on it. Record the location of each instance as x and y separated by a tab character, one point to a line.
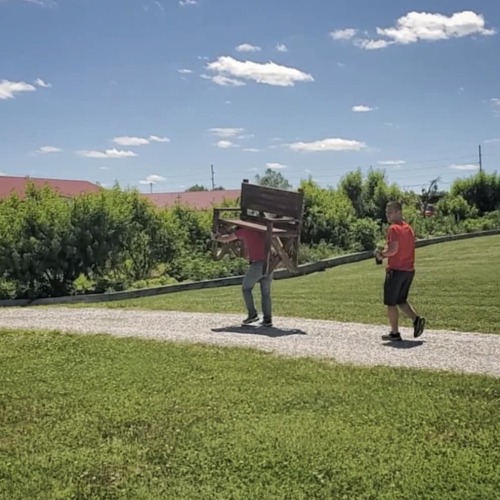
405	344
268	331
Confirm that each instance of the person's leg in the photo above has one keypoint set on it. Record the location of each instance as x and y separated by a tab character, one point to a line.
391	293
253	274
393	315
407	308
265	291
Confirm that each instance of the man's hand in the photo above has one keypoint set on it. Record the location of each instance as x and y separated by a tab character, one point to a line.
224	238
392	249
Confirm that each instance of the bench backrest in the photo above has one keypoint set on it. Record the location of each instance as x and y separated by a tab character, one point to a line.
278	202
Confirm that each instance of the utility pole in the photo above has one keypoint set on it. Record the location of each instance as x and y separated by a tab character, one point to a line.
213	182
480	159
151	187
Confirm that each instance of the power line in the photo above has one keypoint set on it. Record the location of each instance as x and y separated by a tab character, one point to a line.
410	168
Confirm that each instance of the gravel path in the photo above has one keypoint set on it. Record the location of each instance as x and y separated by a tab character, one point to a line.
343	342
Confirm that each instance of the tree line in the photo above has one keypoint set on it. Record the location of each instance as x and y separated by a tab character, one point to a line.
117	239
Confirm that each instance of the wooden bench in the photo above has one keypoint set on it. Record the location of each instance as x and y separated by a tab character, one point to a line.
275	212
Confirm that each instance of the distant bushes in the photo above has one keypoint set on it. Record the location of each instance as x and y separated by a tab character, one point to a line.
116	239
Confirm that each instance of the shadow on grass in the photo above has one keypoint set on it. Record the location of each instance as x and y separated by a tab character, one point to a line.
268	331
405	344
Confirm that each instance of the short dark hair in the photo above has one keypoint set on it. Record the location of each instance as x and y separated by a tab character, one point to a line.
395	205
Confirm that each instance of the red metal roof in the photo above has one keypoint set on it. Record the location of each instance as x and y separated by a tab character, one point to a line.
68	188
197	199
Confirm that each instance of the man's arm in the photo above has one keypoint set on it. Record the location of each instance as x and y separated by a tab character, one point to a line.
226	238
391	249
392	246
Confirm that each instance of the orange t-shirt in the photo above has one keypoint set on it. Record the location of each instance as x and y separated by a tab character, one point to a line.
404	260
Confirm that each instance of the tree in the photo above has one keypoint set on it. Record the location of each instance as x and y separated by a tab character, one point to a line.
352	185
481	190
429	194
196	187
272	178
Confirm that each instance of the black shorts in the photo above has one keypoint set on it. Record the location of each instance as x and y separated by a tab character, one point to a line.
397	286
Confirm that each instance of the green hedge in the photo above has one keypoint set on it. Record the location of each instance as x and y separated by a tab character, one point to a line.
116	239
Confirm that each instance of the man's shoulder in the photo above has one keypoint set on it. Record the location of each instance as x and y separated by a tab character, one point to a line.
400	226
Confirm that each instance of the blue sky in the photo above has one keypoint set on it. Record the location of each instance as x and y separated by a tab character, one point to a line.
144	91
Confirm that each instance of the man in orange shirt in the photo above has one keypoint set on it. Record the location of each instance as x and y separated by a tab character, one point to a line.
255	244
400	253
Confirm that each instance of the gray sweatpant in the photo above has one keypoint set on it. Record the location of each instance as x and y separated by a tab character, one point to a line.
252	276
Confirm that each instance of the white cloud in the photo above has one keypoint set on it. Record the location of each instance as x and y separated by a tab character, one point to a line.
49	149
109	153
227	131
330	144
275	166
224	144
130	141
42	83
466	166
152	179
8	89
372	44
392	163
155	138
138	141
495	101
252	150
185	71
247	47
346	34
43	3
159	5
360	108
183	3
491	141
281	47
269	73
425	26
3	174
225	81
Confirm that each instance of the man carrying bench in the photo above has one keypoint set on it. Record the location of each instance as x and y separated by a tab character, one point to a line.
254	242
268	223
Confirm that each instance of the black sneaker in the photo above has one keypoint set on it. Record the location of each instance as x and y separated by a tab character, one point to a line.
267	322
392	336
250	319
418	326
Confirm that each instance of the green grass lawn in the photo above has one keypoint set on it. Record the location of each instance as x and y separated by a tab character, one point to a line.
457	287
106	418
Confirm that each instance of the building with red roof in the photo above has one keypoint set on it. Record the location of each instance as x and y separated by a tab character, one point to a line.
201	200
66	188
